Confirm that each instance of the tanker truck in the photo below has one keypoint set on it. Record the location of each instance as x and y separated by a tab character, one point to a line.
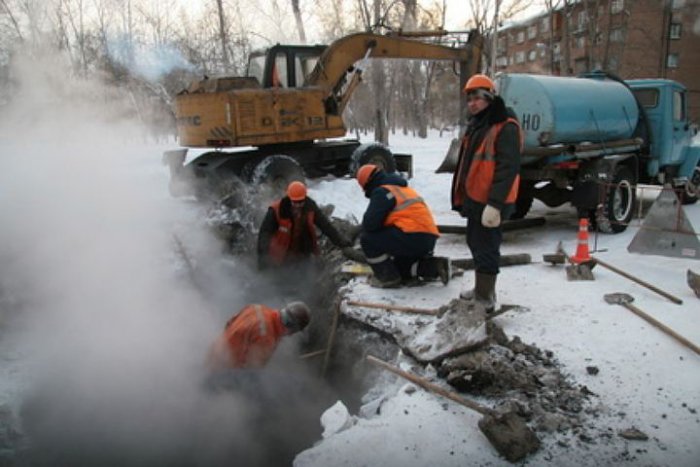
589	140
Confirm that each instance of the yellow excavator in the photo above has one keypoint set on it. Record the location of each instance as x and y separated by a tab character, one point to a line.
285	118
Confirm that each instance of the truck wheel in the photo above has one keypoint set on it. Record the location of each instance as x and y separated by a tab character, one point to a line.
372	153
689	195
276	172
526	195
618	205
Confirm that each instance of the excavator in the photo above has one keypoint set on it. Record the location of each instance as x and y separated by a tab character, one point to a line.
284	120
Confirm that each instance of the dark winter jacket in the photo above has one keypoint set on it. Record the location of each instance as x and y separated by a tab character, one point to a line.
380	205
507	154
269	227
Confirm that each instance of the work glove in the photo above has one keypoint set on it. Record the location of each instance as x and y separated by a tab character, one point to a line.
491	217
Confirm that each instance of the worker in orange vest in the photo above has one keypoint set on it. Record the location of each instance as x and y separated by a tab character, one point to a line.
288	231
251	336
485	184
398	231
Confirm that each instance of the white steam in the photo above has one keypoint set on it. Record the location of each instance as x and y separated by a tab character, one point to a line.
152	62
114	338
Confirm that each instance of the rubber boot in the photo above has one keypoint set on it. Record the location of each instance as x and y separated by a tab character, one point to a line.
434	267
386	276
484	291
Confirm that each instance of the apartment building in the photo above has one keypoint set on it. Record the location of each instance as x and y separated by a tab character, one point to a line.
630	38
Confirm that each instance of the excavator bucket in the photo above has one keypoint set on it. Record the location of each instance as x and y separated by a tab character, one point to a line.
449	164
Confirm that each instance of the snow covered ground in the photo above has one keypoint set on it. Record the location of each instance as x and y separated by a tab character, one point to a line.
86	249
646	380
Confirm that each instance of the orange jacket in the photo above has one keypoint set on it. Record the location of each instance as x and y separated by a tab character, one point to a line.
483	166
282	239
249	340
410	214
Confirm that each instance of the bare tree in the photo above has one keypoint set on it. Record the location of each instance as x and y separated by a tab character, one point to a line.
13	20
300	23
222	35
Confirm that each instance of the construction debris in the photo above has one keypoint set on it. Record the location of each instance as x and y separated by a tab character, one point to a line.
507	432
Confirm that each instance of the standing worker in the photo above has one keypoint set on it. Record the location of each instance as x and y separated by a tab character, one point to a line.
398	231
485	184
288	231
251	336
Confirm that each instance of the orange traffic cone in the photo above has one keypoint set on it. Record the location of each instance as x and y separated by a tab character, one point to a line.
582	254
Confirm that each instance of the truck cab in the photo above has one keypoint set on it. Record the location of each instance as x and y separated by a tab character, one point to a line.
672	156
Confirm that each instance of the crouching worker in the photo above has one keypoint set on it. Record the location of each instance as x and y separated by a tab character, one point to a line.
251	336
288	231
398	231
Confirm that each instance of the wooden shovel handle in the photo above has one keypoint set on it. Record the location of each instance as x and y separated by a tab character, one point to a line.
386	306
428	386
662	327
674	299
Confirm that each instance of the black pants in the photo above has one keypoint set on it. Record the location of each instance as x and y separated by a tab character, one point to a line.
484	242
405	248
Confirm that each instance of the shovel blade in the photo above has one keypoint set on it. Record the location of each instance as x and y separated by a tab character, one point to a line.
618	298
579	272
509	435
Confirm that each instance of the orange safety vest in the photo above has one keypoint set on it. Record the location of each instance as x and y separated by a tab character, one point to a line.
249	340
410	214
483	166
282	239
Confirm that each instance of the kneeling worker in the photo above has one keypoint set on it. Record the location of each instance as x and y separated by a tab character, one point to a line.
288	231
251	337
398	231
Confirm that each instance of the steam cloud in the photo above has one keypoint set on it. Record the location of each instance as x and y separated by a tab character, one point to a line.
111	337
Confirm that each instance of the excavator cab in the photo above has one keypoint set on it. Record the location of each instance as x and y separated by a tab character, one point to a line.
284	66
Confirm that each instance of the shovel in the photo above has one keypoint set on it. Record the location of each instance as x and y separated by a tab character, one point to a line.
507	432
626	301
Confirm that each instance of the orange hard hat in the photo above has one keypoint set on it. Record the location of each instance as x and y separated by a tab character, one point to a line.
296	191
364	174
480	82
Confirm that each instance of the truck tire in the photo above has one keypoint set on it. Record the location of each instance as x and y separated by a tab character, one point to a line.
276	172
689	195
618	205
526	195
372	153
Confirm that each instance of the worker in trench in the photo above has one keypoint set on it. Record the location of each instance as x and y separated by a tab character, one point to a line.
398	232
251	336
288	234
485	184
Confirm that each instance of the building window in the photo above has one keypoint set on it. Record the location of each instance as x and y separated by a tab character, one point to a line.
544	25
672	60
582	20
613	64
532	31
675	32
617	6
519	57
532	55
676	4
616	35
581	42
501	44
520	38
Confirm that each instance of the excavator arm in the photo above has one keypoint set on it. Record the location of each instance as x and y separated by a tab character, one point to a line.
337	62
